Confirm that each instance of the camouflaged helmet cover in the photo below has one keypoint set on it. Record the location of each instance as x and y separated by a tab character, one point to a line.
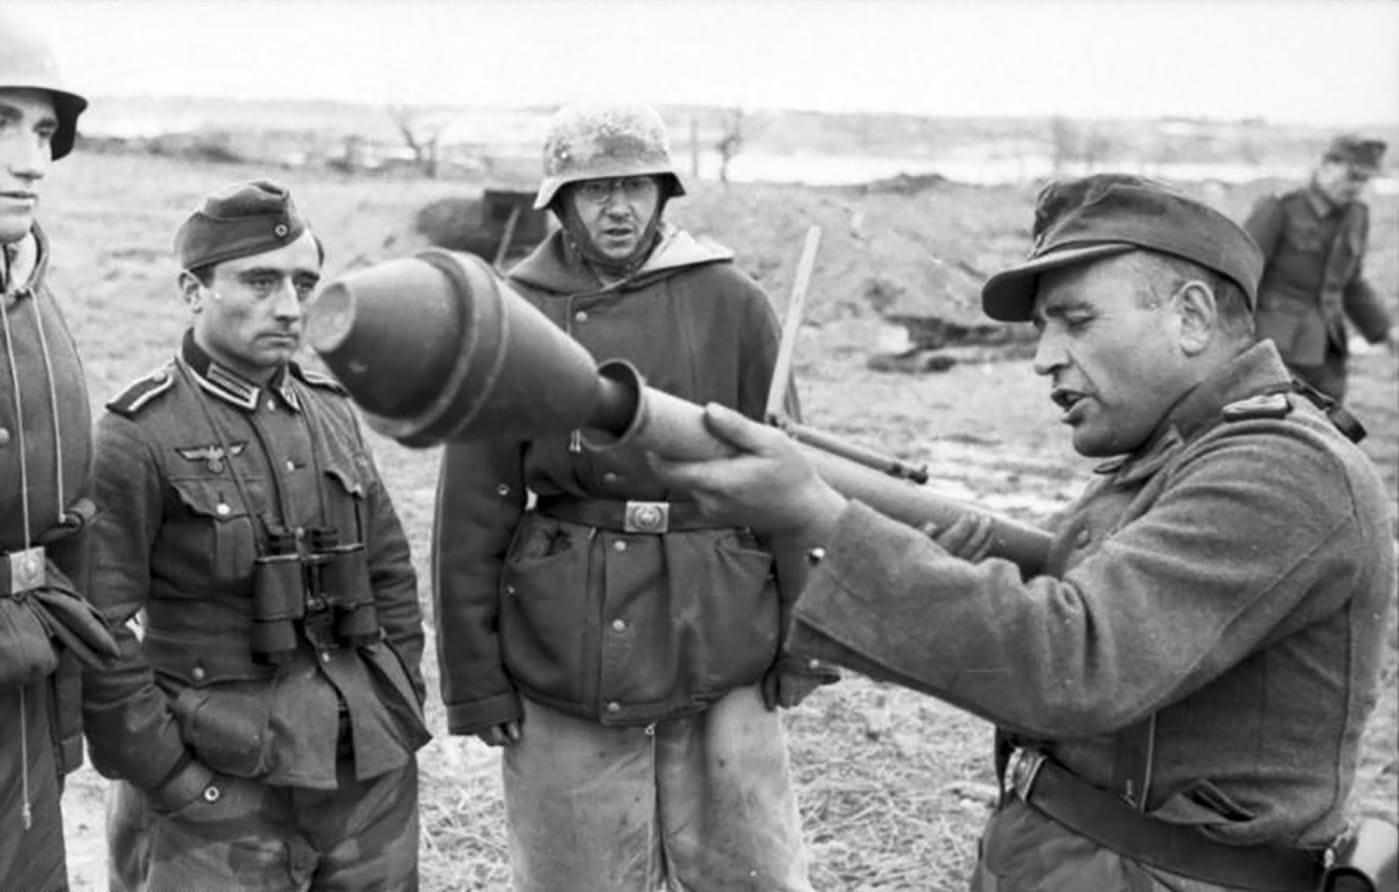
588	141
27	62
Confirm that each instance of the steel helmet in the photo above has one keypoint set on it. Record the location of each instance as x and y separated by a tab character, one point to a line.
589	141
26	62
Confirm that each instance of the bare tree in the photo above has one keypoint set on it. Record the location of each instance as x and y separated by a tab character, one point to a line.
730	142
423	137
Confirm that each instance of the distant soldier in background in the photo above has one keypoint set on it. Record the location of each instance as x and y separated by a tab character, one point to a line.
45	453
622	649
1313	240
271	713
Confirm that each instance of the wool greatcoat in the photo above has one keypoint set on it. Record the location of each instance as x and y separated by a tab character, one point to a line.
1230	578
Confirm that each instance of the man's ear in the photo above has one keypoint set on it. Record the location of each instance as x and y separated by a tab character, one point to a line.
1199	316
192	290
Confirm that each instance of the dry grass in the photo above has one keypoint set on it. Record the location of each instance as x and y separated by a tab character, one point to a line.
893	786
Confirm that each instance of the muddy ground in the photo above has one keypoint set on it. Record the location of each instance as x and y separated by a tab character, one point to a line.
893	786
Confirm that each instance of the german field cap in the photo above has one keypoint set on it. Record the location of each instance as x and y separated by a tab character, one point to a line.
238	221
1080	220
1357	151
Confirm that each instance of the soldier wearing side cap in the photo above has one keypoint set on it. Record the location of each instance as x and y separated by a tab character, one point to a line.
1180	696
623	650
1314	240
45	429
270	712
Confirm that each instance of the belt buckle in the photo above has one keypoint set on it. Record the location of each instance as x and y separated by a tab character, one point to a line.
28	570
646	517
1024	768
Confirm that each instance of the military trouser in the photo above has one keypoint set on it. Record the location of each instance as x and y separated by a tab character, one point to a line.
702	803
31	858
360	837
1024	850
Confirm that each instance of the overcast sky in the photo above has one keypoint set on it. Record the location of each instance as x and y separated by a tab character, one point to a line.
1312	61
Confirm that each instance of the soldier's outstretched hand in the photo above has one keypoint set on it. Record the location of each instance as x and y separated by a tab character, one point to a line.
768	486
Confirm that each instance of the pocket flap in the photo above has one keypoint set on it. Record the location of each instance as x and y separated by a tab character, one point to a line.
217	498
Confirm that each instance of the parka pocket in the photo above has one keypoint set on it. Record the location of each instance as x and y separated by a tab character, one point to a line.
544	622
738	637
227	727
219	534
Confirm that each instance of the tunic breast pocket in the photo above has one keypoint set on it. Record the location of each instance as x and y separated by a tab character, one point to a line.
347	490
218	533
1304	238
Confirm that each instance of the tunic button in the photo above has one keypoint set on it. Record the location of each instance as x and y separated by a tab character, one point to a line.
580	317
197	673
510	589
619	625
271	406
300	533
813	665
222	509
291	465
4	436
614	706
619	546
503	489
609	477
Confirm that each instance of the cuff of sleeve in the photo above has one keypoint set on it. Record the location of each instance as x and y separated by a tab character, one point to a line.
478	715
183	786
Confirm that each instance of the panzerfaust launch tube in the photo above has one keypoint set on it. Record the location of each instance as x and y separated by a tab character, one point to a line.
435	348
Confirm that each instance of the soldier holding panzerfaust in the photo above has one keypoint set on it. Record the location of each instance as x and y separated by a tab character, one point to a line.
1180	694
622	649
45	454
271	712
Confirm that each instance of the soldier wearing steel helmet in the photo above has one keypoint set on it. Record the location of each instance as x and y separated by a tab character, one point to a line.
622	649
45	626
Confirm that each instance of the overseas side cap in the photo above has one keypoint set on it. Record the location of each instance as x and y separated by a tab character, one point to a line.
1080	220
238	221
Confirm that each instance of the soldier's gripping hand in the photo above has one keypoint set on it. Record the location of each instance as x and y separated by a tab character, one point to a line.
503	734
768	485
969	537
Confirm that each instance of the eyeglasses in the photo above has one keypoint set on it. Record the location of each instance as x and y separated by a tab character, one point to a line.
599	192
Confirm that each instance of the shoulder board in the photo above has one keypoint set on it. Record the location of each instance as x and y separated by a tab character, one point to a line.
1266	405
142	391
318	379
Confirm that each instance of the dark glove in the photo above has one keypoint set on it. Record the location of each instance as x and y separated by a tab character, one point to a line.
27	653
790	680
72	621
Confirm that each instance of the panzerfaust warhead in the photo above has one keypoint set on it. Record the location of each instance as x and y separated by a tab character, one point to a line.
436	347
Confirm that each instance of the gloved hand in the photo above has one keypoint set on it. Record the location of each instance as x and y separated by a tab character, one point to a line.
790	680
71	620
969	537
27	652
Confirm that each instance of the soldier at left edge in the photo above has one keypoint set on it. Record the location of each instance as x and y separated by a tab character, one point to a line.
265	725
46	628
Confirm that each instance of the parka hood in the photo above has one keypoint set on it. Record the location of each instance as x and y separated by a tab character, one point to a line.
557	267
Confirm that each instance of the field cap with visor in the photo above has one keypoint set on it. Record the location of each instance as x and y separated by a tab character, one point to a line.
1080	220
239	221
1362	154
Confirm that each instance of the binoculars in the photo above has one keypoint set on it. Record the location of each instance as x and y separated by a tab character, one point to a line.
325	588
